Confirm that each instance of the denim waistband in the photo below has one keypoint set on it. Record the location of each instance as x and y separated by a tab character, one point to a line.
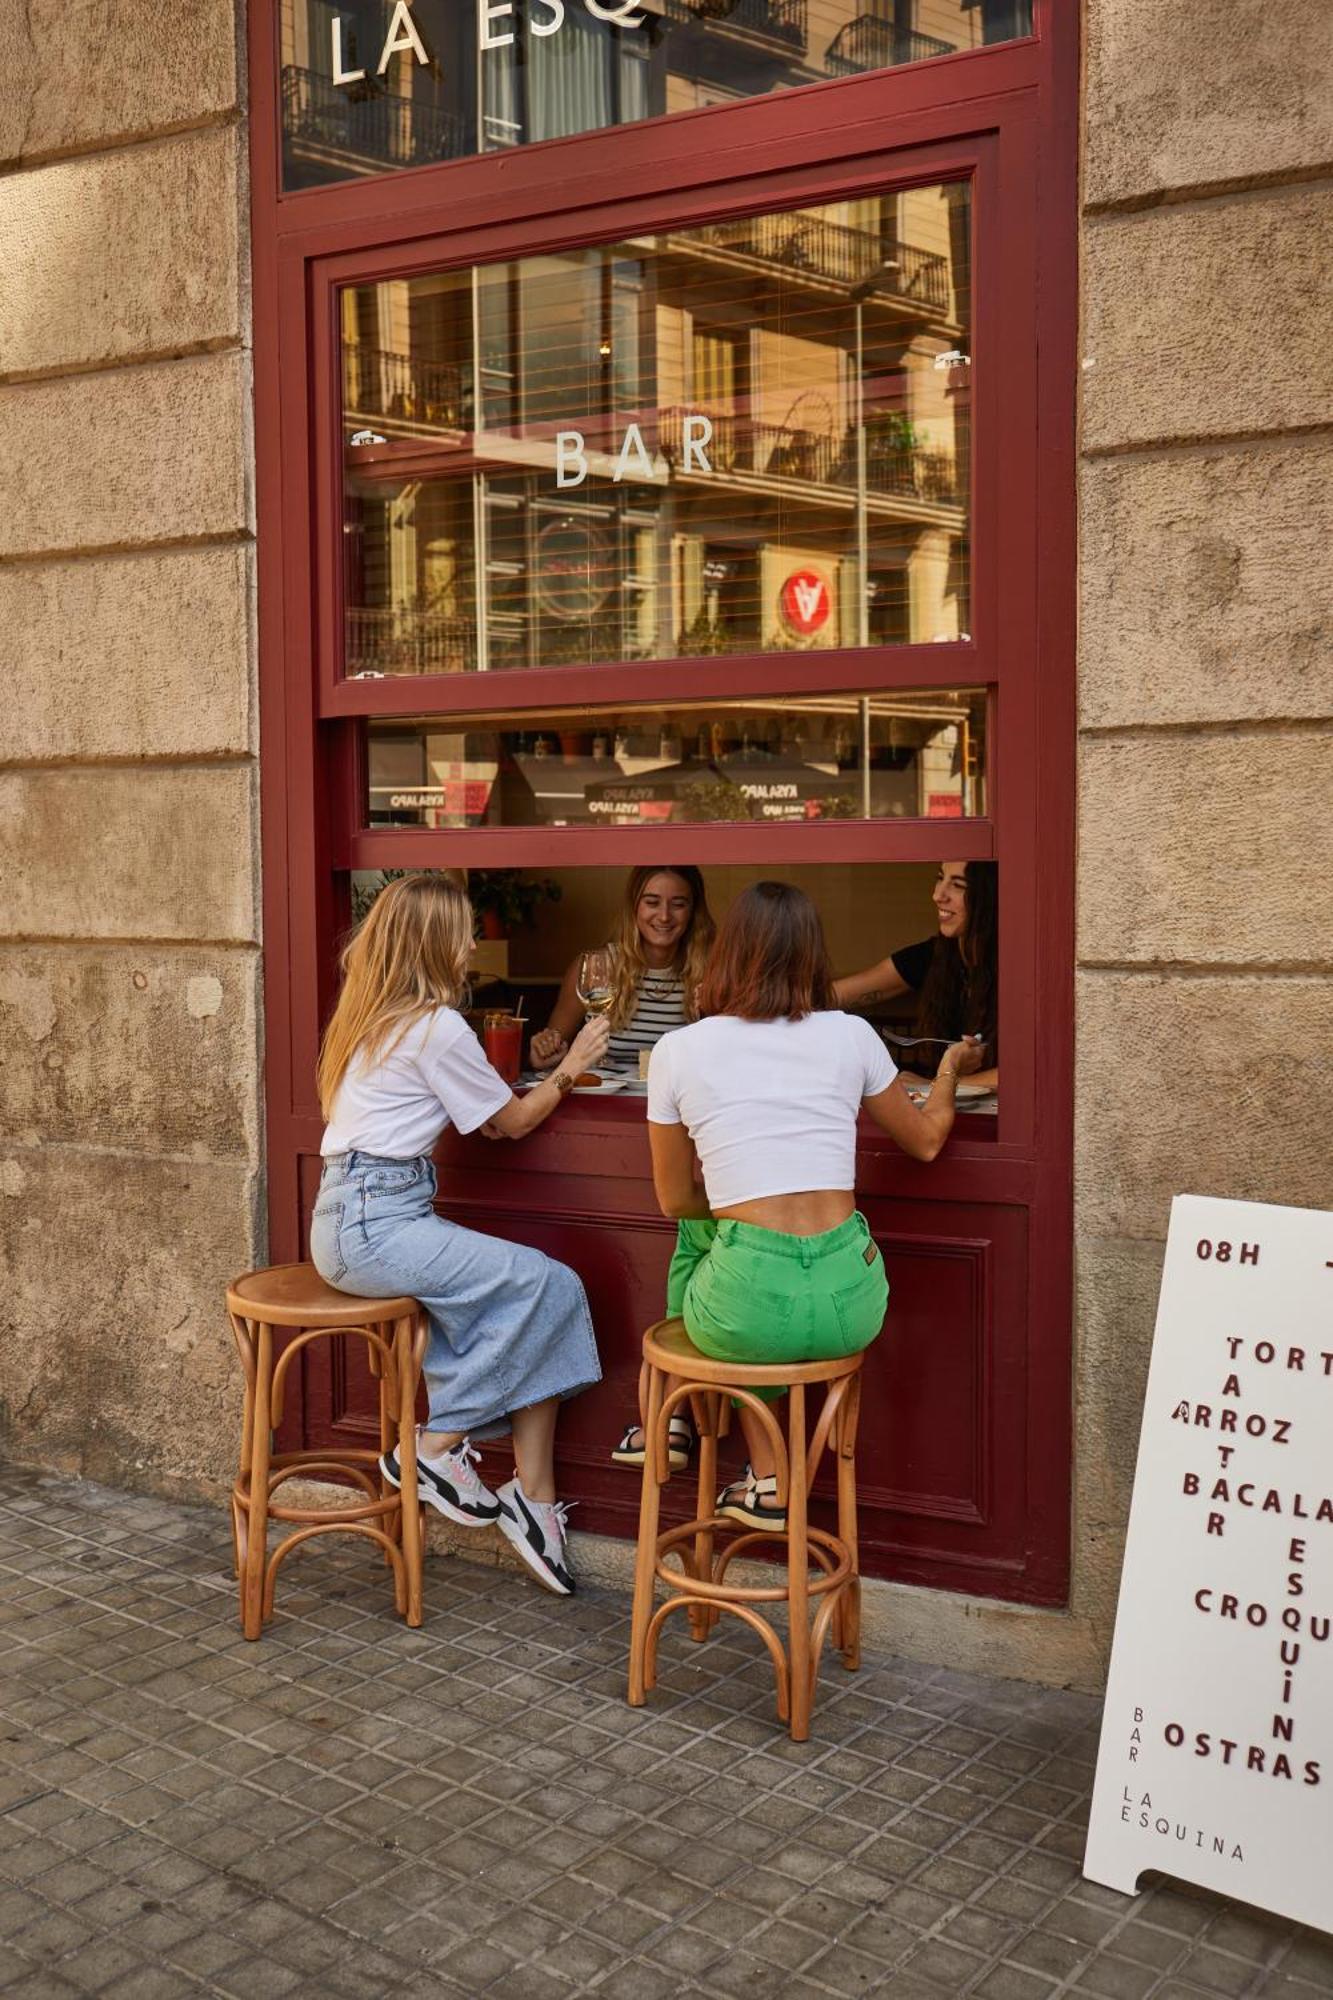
352	1162
803	1249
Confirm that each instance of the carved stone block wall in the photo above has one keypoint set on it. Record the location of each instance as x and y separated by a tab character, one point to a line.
129	943
1205	930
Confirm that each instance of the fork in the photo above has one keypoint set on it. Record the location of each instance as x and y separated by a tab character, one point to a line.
918	1041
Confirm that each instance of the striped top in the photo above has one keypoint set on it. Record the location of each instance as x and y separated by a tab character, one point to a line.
661	1008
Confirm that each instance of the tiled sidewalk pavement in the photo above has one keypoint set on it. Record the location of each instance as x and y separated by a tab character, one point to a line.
348	1808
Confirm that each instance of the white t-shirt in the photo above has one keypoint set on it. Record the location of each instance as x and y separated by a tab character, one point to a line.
770	1105
436	1075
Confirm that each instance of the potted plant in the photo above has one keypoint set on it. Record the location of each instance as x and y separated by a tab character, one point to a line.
503	900
366	888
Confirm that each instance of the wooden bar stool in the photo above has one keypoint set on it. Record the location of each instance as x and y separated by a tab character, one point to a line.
700	1585
394	1330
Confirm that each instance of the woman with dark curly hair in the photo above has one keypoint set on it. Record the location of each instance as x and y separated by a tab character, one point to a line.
952	974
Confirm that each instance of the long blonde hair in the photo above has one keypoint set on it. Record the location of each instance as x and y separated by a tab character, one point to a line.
408	956
629	963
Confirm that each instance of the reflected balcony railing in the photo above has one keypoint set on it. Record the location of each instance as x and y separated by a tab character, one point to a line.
378	383
872	43
782	22
408	641
831	250
377	126
893	470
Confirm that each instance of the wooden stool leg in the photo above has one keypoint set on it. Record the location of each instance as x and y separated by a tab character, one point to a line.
645	1558
386	1378
409	1343
849	1597
385	1369
798	1568
705	1407
244	1335
256	1541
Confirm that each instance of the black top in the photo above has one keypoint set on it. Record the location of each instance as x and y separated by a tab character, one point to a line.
912	963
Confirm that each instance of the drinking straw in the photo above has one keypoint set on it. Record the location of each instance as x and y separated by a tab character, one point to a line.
518	1011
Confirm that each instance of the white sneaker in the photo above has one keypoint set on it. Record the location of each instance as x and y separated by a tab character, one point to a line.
449	1483
537	1530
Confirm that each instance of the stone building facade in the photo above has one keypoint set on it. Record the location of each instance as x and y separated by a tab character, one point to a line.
131	1168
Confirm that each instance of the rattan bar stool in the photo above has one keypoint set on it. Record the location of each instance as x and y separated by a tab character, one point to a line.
394	1330
701	1585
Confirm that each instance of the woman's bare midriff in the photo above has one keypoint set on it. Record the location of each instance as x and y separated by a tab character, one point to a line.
807	1214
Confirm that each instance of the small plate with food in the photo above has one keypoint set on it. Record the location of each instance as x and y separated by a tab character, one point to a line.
599	1082
918	1088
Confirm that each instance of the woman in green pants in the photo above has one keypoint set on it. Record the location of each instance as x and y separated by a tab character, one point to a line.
773	1261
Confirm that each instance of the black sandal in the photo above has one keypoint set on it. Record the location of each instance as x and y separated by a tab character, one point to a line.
680	1443
753	1502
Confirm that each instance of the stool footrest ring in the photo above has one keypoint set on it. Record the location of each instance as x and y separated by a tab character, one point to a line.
691	1586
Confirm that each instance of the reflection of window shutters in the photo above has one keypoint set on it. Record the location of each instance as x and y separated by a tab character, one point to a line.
569	82
714	372
687	562
1002	20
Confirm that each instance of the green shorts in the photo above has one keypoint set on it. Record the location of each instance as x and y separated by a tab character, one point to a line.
755	1295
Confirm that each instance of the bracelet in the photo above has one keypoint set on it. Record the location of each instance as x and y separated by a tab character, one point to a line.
950	1074
563	1081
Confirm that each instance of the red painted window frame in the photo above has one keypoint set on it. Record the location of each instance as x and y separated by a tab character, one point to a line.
1006	116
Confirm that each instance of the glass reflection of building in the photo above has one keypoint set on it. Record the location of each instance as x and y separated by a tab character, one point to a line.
739	438
902	754
474	76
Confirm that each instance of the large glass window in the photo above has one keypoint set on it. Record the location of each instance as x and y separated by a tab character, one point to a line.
750	436
368	85
908	754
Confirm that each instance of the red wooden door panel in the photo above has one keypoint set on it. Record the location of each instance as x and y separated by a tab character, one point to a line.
944	1470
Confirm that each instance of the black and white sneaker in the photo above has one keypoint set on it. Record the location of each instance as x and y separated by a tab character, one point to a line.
537	1530
449	1484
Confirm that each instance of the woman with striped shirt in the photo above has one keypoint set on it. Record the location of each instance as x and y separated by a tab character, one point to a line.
658	955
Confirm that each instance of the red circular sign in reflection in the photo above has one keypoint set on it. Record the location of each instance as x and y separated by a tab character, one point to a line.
805	601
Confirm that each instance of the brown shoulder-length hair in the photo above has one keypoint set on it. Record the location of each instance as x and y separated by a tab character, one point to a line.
770	962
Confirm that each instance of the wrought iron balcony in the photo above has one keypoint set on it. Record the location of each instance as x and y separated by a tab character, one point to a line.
376	127
870	42
408	641
782	22
773	451
377	383
831	250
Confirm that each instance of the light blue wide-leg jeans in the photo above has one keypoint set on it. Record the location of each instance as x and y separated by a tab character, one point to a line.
508	1325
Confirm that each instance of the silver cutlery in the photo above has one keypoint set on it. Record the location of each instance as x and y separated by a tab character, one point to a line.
918	1041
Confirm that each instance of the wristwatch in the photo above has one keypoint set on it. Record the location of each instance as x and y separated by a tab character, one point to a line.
563	1082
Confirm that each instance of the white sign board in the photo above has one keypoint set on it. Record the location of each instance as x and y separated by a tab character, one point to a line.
1216	1757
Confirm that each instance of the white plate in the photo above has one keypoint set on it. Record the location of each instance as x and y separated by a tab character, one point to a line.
919	1088
608	1086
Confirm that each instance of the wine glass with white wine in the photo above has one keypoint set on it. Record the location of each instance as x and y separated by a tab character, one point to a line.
594	987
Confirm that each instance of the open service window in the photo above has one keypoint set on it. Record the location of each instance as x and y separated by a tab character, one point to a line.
660	476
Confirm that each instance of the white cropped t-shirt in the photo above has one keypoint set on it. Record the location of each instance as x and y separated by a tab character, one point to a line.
397	1107
770	1105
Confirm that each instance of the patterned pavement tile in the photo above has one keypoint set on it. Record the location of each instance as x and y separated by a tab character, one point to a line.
348	1806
